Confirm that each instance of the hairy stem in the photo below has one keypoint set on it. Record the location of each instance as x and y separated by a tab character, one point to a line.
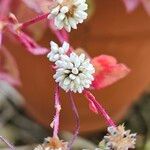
99	107
7	143
34	20
76	116
58	108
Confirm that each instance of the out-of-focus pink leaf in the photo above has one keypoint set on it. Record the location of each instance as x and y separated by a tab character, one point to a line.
146	4
8	68
131	4
4	8
9	79
39	6
108	71
30	44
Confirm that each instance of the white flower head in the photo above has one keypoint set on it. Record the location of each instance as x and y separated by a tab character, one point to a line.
52	143
74	73
68	13
118	138
57	51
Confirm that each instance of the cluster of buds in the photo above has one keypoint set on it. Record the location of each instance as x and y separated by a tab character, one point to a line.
73	73
68	13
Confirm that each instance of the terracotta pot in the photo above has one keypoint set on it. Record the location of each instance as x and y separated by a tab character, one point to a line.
109	31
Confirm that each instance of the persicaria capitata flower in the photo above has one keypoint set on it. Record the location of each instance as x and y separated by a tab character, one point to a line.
68	13
53	143
118	138
74	73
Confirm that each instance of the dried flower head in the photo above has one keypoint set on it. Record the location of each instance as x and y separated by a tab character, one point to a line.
68	13
74	73
118	139
56	52
52	143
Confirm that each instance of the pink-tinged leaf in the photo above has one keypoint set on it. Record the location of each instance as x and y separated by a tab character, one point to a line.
108	71
39	6
4	8
131	4
30	44
146	4
8	68
9	79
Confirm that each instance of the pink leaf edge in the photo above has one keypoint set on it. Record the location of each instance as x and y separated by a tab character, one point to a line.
108	71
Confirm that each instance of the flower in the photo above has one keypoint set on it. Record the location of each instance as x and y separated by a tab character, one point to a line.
56	52
68	13
52	143
118	138
74	72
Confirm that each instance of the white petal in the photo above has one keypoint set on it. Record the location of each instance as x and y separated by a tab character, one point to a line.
72	77
61	50
73	23
82	57
65	46
82	7
56	57
60	16
67	28
81	14
64	9
59	24
55	10
67	81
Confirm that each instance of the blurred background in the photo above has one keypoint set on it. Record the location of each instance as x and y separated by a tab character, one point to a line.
26	111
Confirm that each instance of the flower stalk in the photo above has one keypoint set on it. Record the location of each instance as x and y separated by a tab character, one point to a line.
76	116
7	143
99	107
34	20
58	108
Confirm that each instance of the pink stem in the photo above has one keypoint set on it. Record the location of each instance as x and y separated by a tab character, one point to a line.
99	107
57	107
7	143
34	20
56	32
76	115
65	34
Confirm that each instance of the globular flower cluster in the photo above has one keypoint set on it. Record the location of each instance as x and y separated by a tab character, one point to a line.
73	72
118	139
68	13
52	144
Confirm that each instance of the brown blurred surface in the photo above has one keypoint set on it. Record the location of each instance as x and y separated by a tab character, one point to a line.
109	31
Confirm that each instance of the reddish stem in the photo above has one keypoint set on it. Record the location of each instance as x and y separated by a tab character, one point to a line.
76	115
7	143
99	107
34	20
57	107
